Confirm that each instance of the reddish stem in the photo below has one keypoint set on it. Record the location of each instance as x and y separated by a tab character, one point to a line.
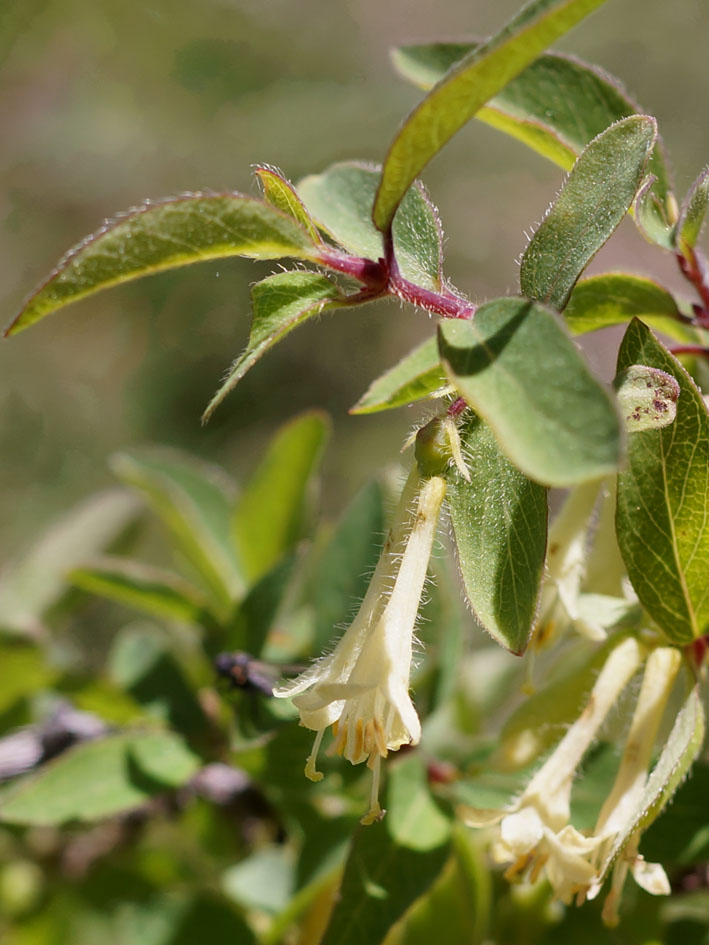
691	349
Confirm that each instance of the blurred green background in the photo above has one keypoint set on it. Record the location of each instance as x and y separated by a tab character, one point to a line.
106	103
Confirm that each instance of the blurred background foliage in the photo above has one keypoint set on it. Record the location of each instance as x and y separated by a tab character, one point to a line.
104	105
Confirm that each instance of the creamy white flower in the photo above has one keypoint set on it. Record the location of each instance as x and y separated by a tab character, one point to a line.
362	687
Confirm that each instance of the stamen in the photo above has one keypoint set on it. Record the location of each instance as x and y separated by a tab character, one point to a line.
311	771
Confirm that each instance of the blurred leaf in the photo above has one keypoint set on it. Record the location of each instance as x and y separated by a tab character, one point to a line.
651	218
681	748
23	671
253	620
92	781
416	376
463	91
556	106
415	820
516	366
103	698
141	663
663	501
594	199
381	881
280	193
618	297
499	521
281	302
692	213
345	565
153	590
647	397
270	513
36	581
456	908
265	880
340	200
164	235
194	500
165	758
681	835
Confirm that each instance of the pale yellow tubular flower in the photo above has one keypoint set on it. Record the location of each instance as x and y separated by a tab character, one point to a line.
535	836
362	688
621	805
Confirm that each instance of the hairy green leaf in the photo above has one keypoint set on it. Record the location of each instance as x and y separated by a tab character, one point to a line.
418	375
194	499
153	590
37	580
594	199
164	235
280	193
662	517
464	90
516	367
101	778
692	213
280	302
270	513
340	199
647	397
614	298
499	521
556	106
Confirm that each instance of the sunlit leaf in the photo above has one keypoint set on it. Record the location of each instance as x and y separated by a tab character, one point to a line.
194	500
499	521
280	303
340	199
463	91
416	376
164	235
280	193
614	298
271	511
662	517
594	199
692	213
99	779
415	820
518	369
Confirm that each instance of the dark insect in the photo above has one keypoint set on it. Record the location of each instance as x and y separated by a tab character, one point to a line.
244	671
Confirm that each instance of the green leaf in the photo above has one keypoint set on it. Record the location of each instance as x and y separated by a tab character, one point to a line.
381	880
463	91
615	298
254	618
194	500
647	397
499	521
164	235
98	779
662	517
415	820
269	515
152	590
692	213
264	881
681	835
164	757
340	199
516	367
681	748
345	564
280	303
37	581
416	376
652	218
23	672
594	199
280	193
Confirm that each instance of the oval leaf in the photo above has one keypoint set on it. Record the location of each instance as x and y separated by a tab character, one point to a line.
499	521
692	213
340	199
164	235
516	367
466	89
280	193
662	517
416	376
280	303
594	199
